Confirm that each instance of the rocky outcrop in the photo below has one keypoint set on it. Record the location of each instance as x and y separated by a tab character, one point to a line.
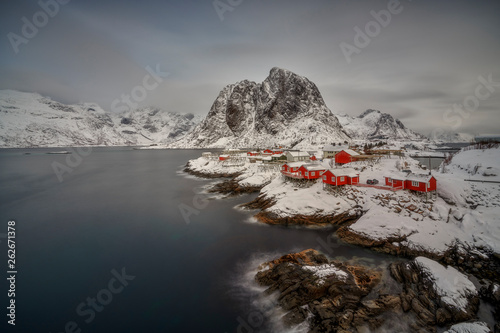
423	296
286	109
330	295
306	220
233	187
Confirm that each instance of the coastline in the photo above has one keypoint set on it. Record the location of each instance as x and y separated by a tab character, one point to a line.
362	205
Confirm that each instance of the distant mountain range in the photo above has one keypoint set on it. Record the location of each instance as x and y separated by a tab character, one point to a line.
30	120
450	137
373	124
286	110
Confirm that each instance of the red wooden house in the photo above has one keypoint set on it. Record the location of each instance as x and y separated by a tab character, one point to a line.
345	156
313	158
421	183
338	177
396	181
291	167
311	171
253	153
277	151
223	157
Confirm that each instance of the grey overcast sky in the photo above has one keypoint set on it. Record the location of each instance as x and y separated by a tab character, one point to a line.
416	64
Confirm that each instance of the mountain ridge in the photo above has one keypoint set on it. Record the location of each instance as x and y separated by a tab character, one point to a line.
286	109
374	124
32	120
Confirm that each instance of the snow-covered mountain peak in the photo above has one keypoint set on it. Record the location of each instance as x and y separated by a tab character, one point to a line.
31	120
285	109
374	124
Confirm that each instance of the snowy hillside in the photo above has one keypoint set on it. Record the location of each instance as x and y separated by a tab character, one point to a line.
373	124
31	120
286	109
453	137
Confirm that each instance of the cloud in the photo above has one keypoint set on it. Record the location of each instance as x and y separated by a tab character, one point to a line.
426	59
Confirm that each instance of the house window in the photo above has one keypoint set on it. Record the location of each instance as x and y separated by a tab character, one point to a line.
389	180
313	173
324	177
415	184
342	179
333	179
307	174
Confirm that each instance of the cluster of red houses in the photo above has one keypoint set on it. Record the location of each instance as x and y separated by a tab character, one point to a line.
349	176
337	177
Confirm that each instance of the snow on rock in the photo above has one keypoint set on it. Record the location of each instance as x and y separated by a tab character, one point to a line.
326	270
373	124
476	327
453	287
284	110
31	120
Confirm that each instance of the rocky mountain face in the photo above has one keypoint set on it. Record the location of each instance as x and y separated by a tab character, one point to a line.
286	109
30	120
373	124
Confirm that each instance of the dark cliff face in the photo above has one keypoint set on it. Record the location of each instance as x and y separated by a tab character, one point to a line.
284	108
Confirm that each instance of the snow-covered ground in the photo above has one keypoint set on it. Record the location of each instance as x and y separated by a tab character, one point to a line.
463	211
251	174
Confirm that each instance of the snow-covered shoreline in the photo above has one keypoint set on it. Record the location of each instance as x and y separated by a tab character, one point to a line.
461	218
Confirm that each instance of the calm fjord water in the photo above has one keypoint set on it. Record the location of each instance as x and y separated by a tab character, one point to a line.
119	210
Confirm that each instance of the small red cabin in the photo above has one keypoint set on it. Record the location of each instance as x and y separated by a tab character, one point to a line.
395	182
252	153
339	177
291	167
223	157
345	156
277	151
421	183
311	171
313	158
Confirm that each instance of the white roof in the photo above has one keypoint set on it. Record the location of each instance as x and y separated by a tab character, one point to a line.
419	178
350	172
412	177
398	176
333	148
267	158
298	153
313	167
350	152
295	164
